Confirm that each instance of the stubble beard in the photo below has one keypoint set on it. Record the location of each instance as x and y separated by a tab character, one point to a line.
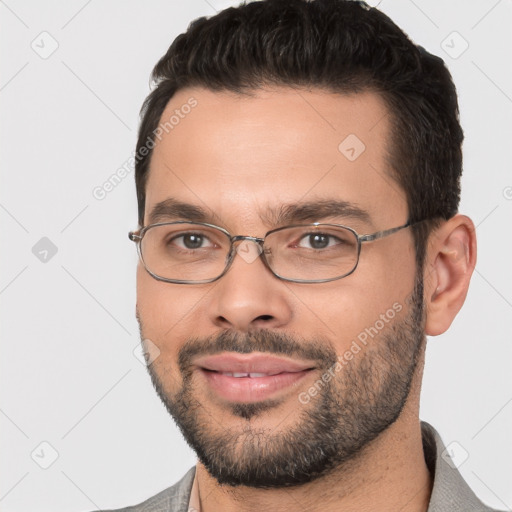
350	410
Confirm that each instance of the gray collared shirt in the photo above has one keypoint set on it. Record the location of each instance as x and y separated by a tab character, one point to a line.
450	493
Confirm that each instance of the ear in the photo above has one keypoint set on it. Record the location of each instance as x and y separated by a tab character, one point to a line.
449	264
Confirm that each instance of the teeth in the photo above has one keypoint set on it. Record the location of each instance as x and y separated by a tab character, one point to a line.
240	374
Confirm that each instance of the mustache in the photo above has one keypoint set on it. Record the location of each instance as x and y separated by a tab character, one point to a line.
318	349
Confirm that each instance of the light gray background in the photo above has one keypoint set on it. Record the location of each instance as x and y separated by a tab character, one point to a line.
69	374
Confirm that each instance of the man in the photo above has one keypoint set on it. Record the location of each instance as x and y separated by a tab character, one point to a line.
297	175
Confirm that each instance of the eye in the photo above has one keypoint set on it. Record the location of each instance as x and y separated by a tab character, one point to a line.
318	241
191	241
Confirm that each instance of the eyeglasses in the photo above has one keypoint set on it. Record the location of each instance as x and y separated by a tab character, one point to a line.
184	252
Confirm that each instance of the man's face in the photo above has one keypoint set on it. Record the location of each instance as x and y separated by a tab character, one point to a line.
346	350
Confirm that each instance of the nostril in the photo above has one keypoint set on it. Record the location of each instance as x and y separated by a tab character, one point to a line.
264	317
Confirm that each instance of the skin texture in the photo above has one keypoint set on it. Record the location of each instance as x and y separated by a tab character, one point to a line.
237	156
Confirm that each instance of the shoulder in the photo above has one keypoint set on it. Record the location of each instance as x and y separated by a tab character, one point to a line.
173	499
450	492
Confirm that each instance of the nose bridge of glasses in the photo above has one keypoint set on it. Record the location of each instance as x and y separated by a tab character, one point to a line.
241	245
241	238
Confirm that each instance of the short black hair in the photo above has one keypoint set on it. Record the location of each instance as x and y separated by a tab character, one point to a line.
342	46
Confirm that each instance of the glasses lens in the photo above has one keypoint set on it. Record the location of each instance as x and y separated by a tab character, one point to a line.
312	253
185	251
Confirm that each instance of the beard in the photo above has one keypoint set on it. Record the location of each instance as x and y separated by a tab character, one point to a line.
349	411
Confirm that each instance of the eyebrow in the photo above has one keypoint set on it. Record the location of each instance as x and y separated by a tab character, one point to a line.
311	211
172	209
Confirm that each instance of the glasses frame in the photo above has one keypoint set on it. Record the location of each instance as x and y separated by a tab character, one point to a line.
137	236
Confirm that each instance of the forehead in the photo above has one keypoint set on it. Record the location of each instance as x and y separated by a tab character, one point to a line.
238	155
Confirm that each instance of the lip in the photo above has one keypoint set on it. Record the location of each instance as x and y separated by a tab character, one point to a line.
252	363
280	374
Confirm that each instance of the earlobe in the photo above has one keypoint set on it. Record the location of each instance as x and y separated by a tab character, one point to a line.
449	264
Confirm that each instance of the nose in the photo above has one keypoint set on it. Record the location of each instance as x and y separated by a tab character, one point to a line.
249	296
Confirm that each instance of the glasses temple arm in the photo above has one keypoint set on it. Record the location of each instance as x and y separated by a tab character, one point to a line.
386	232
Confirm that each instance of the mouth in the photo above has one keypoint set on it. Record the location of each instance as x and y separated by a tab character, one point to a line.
251	378
252	375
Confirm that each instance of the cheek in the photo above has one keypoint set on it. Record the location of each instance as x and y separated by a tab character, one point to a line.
368	301
160	311
339	311
152	304
169	313
387	269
